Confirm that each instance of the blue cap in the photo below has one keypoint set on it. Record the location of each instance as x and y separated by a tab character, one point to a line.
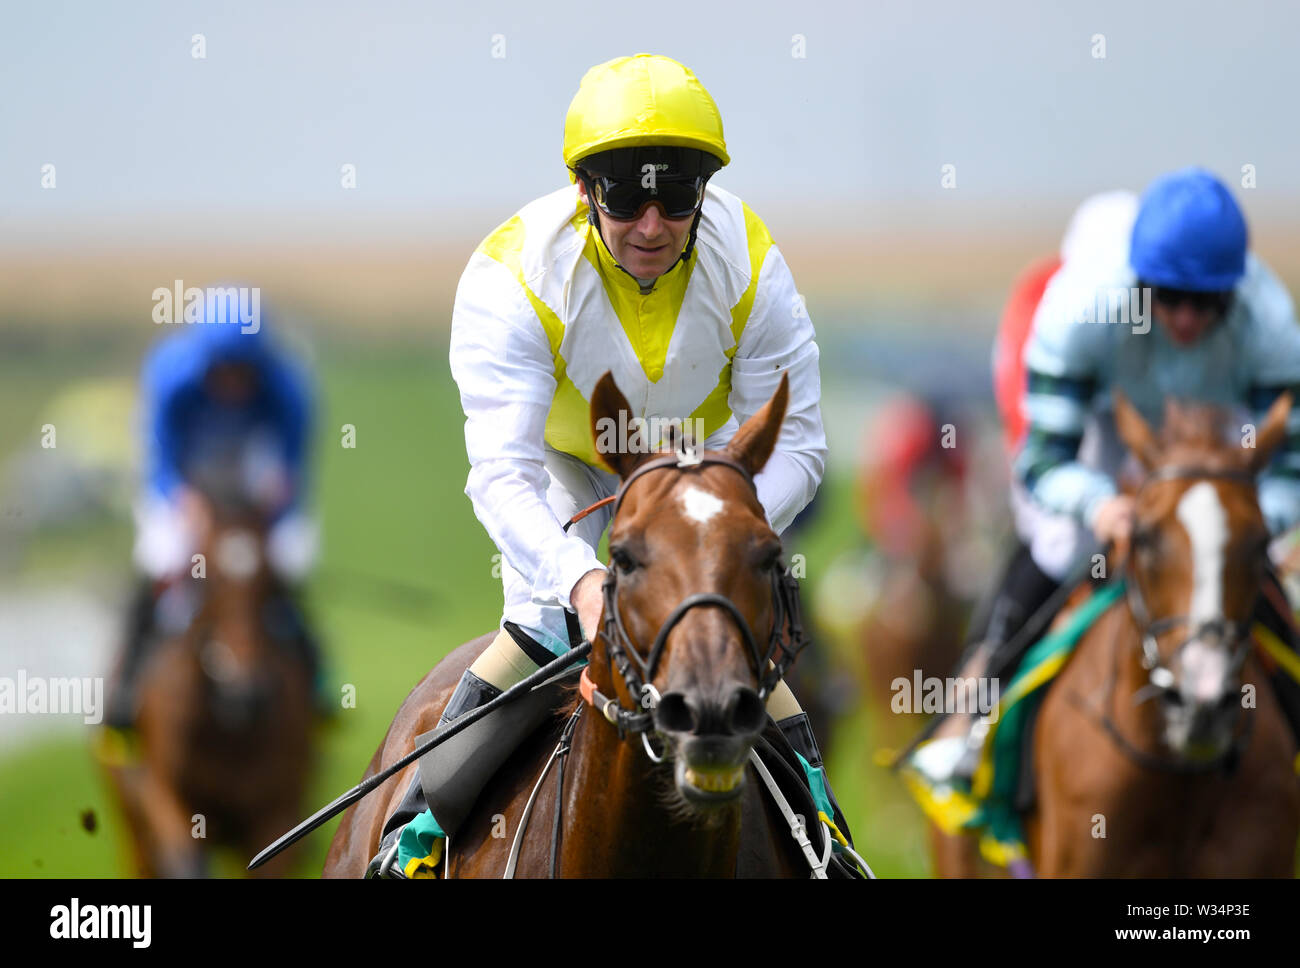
1189	234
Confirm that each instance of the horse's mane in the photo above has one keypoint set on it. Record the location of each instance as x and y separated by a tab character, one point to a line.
570	703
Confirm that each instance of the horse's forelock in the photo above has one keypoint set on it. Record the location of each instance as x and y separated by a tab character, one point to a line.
1194	423
1198	434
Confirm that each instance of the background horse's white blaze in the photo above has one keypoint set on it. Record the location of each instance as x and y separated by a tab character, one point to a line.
238	554
1204	667
700	505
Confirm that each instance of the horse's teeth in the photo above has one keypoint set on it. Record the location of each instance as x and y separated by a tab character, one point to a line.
712	781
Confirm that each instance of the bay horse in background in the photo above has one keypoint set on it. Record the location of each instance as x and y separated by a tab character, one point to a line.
225	716
1147	729
913	498
699	812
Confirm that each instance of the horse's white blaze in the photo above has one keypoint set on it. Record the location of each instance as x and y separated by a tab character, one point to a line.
1201	514
1203	517
700	505
238	554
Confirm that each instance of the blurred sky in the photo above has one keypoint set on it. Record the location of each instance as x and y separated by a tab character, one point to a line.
144	135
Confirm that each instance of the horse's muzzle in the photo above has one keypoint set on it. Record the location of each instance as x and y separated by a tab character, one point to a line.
1199	730
241	703
711	741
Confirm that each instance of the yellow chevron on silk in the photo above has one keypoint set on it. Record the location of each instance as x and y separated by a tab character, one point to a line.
595	317
715	410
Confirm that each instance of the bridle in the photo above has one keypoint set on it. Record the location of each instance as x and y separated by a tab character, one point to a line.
1235	634
638	672
1160	678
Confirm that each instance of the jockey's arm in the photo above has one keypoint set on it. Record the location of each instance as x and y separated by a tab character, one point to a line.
502	363
1274	355
1062	370
778	339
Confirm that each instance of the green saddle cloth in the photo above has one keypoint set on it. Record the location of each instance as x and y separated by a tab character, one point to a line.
989	807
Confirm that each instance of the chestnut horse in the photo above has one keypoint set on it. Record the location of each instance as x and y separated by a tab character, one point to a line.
678	532
1161	749
225	718
915	624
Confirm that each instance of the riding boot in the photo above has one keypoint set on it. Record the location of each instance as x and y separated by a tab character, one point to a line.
140	627
452	775
1022	592
798	730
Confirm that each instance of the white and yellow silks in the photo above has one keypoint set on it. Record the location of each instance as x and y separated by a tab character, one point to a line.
542	311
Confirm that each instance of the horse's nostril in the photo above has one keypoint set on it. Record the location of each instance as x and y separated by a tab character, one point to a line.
674	714
746	713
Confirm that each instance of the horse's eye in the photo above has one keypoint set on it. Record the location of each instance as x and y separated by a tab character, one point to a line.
622	560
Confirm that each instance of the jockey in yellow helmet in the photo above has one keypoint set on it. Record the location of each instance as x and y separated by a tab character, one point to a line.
642	267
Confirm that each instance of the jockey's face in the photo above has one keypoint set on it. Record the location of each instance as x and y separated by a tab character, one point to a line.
1185	324
232	384
1187	317
647	246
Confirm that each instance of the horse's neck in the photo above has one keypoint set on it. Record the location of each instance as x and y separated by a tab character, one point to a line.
619	820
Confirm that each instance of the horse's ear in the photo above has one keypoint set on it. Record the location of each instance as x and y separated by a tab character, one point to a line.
1135	432
1270	435
753	443
612	429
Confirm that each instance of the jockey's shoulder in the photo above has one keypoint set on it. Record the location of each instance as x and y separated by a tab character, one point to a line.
732	230
1062	336
539	234
1265	318
1264	298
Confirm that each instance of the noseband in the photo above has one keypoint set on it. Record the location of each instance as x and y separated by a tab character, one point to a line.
638	672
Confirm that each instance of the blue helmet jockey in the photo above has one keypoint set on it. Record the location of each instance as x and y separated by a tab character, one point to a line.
188	420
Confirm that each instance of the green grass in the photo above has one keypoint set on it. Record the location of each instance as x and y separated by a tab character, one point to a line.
393	511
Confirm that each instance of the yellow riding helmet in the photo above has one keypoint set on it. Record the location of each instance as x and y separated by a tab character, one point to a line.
642	100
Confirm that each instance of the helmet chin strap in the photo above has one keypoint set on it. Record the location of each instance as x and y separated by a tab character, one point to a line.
685	253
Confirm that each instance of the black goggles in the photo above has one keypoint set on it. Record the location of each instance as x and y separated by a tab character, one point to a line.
626	199
1217	302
